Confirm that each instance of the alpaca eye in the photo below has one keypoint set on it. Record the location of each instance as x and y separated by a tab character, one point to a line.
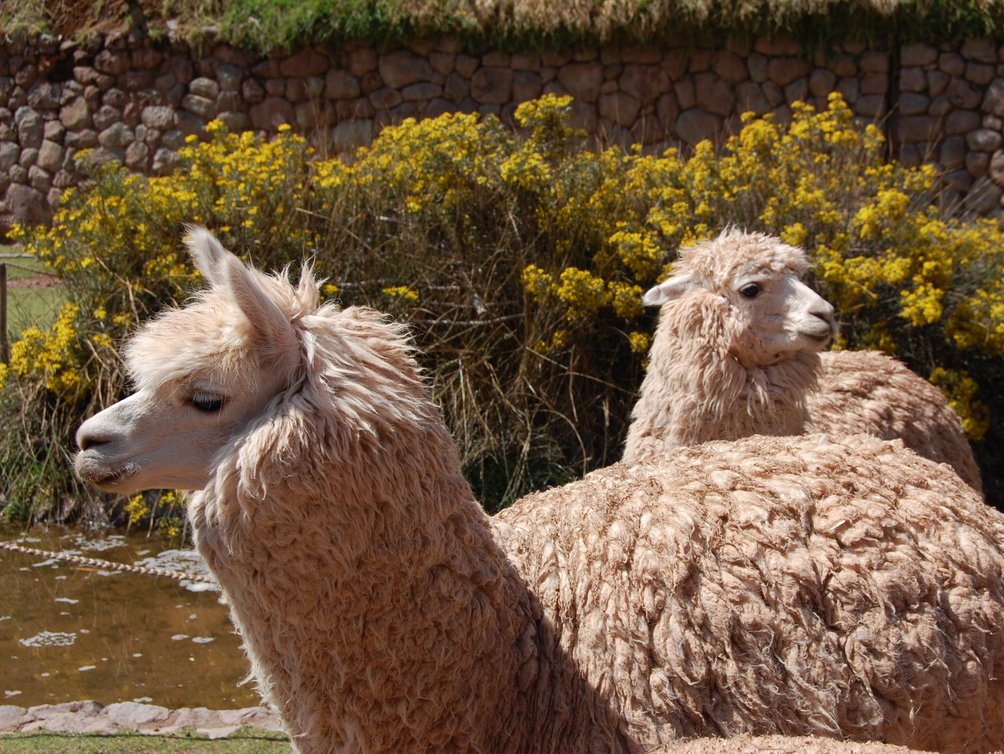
749	291
208	404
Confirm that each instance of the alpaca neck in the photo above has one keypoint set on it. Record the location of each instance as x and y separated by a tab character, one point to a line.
693	395
378	612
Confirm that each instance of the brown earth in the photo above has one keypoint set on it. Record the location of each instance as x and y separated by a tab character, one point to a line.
68	18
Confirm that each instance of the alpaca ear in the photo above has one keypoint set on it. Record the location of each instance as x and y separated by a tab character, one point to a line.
265	317
669	289
306	290
207	253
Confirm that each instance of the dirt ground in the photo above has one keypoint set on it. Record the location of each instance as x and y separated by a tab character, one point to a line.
67	18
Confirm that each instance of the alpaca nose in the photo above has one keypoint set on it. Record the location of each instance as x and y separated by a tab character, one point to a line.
824	311
88	438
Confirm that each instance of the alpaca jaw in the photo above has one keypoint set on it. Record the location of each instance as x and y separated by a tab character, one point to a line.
103	474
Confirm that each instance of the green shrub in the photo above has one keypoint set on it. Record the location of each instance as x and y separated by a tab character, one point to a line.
520	260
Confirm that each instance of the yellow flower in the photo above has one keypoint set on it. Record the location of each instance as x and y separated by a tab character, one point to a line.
961	390
582	292
401	293
625	298
137	509
922	306
640	342
794	234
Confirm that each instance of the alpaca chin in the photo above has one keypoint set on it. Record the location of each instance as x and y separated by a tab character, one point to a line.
115	478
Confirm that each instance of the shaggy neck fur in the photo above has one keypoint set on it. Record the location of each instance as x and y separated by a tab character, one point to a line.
361	572
696	389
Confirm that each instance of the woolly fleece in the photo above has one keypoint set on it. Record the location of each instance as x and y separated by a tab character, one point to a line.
781	745
872	393
842	587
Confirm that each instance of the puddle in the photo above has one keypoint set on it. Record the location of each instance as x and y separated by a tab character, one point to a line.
71	632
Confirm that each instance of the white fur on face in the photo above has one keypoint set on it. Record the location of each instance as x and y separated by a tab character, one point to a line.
771	312
785	316
165	438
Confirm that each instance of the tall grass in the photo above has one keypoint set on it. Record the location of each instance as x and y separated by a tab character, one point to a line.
269	25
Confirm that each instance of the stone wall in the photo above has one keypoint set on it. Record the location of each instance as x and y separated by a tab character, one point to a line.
135	99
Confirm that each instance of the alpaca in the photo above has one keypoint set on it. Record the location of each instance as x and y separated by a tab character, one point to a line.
872	393
802	586
736	353
736	349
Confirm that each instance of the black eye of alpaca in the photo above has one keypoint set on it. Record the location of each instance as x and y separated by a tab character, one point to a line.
751	290
208	404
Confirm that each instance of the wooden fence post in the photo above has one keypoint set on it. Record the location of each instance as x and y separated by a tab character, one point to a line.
4	349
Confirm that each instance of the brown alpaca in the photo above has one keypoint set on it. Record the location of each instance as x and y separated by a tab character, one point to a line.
802	585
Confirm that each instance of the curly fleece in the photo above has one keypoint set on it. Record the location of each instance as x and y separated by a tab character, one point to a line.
869	392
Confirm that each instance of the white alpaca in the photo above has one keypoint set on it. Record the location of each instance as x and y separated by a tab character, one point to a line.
736	348
735	353
773	585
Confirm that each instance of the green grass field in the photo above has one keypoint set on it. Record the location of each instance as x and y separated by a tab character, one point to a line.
28	302
243	742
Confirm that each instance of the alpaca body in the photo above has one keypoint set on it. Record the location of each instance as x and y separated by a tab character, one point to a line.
805	585
782	745
870	392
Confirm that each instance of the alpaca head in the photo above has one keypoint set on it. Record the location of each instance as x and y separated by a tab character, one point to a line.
213	371
201	374
750	285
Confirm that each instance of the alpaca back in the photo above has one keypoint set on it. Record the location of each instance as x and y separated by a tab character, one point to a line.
781	745
800	585
872	393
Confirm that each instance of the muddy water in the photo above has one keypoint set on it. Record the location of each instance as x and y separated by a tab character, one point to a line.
69	632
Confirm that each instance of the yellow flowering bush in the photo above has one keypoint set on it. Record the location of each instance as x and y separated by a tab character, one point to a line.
51	357
904	277
167	514
961	390
115	242
520	258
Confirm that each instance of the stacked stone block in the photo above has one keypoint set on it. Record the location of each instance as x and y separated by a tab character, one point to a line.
951	111
135	100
